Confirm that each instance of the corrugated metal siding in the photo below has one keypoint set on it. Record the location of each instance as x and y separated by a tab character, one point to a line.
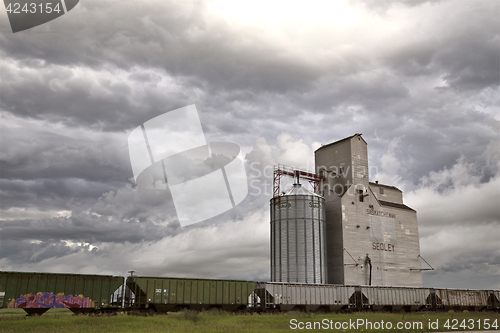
396	296
298	239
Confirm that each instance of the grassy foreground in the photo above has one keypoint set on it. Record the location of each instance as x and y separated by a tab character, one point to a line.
62	320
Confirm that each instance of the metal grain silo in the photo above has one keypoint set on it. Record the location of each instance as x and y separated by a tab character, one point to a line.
298	237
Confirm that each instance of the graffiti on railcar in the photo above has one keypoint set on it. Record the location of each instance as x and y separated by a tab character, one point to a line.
49	300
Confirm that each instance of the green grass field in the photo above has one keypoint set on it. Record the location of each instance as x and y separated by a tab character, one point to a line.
62	320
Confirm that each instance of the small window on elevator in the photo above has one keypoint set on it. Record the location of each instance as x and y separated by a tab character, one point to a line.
381	190
361	196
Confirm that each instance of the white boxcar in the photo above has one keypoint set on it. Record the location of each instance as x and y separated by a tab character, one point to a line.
310	297
395	298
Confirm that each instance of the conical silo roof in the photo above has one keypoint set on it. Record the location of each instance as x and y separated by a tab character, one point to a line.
297	189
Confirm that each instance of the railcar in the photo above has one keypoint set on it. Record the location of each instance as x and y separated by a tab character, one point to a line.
38	292
304	297
163	294
461	299
394	298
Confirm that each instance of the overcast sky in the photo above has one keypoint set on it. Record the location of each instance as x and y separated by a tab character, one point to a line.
419	79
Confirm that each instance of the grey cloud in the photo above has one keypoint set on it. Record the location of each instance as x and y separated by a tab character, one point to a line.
55	193
382	6
135	204
423	146
487	262
478	268
178	40
83	228
26	251
41	150
145	77
77	100
467	58
470	67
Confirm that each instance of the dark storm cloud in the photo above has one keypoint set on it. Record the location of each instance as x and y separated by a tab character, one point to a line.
101	100
373	90
431	137
381	6
116	217
26	251
423	146
466	57
43	194
472	69
478	268
138	205
486	261
465	62
36	149
204	52
81	227
180	39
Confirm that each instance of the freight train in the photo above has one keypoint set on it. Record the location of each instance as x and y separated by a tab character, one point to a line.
81	293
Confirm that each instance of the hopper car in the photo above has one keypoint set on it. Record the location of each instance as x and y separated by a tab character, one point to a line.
162	294
38	292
